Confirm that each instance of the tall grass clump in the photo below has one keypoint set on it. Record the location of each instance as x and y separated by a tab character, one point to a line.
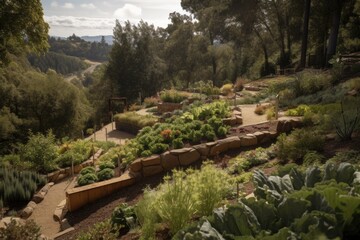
18	187
181	197
134	119
173	96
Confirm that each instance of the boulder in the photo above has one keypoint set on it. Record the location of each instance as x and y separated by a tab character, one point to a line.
248	140
32	204
26	212
77	168
51	177
152	160
284	126
239	119
60	211
152	170
64	224
234	142
188	158
230	121
202	149
169	161
220	147
180	151
237	113
37	198
136	166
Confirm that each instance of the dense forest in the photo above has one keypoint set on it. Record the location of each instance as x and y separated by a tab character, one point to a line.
217	42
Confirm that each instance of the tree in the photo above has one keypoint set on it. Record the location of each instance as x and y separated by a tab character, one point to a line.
335	25
22	27
305	34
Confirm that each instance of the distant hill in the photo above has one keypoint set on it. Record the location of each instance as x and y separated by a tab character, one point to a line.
108	39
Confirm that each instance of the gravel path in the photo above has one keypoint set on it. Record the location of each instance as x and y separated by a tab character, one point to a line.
43	213
249	116
109	133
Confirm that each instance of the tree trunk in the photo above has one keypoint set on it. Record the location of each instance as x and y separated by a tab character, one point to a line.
213	61
336	16
266	56
305	34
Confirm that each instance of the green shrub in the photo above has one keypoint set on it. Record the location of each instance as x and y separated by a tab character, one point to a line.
173	96
177	143
123	217
300	110
106	164
66	159
195	136
135	119
87	170
40	151
159	148
285	169
100	231
105	145
351	156
86	179
297	144
226	89
105	174
146	153
150	102
313	158
222	131
15	231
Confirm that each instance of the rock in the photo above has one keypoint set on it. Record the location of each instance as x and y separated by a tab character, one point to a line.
273	135
248	140
284	126
32	204
237	113
64	224
190	157
61	177
177	152
63	233
152	170
51	177
51	184
210	144
26	212
60	211
260	136
152	160
230	121
37	198
239	119
45	189
220	147
136	166
202	149
169	161
234	142
296	123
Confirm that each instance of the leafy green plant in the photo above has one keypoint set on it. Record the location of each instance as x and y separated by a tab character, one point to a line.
123	217
105	174
18	231
106	164
300	110
87	170
226	89
297	144
100	231
158	148
87	178
177	143
40	150
312	206
313	158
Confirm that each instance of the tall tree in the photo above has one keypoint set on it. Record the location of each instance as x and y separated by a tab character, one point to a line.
22	27
334	32
305	33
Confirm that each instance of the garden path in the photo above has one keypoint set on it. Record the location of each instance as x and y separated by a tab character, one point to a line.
118	137
43	213
249	115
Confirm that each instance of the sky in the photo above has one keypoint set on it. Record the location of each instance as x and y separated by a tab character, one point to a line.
91	17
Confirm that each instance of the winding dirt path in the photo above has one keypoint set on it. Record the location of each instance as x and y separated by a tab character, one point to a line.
90	69
43	213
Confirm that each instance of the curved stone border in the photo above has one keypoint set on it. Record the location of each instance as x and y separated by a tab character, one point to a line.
144	167
37	198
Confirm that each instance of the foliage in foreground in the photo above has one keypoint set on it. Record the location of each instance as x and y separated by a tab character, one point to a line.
178	199
100	231
296	206
15	231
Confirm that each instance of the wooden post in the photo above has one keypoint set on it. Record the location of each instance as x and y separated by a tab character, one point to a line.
93	154
277	107
106	136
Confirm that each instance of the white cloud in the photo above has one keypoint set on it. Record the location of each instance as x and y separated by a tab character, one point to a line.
129	11
68	5
54	4
80	22
88	6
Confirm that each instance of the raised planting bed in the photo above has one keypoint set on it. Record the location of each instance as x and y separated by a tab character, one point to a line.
133	122
168	107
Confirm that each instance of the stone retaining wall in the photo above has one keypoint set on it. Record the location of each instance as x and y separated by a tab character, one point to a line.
144	167
60	174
